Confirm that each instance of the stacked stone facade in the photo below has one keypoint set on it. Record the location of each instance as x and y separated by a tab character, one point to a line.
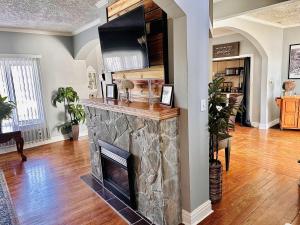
155	148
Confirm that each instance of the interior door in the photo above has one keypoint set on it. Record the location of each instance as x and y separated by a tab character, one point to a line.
290	113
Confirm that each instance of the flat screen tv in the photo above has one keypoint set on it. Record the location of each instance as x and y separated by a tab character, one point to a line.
124	42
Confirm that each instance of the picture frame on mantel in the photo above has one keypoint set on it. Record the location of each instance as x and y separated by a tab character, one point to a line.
167	95
111	91
294	62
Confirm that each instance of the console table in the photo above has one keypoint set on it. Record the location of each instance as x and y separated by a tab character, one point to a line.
17	136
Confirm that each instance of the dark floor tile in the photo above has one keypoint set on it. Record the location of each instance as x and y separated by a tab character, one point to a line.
92	182
106	195
142	222
144	218
130	215
116	204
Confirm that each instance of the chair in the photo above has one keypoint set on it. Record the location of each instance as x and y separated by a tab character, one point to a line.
238	98
226	144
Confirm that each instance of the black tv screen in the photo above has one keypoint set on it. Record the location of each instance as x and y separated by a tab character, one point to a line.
124	42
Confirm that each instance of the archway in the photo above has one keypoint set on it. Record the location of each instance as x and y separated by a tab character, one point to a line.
263	72
269	43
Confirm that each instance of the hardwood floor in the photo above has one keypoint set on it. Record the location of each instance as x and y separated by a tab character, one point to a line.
47	189
261	187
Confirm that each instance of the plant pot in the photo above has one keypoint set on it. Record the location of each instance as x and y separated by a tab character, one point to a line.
75	132
215	181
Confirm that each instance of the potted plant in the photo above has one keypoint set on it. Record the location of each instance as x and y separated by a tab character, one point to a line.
220	110
77	115
74	112
6	109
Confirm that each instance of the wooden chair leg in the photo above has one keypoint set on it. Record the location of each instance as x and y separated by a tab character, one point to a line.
227	154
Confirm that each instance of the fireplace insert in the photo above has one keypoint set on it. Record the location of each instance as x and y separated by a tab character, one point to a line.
118	175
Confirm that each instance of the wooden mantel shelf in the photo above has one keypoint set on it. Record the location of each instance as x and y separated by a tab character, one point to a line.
140	109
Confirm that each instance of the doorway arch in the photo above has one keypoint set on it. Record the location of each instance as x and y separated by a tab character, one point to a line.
264	68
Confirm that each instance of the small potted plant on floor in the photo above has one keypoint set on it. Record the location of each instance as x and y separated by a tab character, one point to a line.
74	112
6	109
220	110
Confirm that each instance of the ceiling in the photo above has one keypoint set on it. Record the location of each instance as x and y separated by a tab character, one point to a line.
285	14
48	15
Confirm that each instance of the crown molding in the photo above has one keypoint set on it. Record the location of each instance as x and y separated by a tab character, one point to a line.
32	31
87	26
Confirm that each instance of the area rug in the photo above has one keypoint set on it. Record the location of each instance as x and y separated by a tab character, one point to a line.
8	214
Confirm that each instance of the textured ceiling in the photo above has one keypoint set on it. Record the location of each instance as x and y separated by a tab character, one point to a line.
287	14
48	15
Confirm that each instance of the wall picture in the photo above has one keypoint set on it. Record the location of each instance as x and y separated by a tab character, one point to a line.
294	64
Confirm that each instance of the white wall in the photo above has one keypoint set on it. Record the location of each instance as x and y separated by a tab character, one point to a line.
247	48
290	36
58	68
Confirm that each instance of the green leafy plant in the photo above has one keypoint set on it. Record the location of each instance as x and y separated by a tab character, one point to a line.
6	109
74	112
220	110
77	113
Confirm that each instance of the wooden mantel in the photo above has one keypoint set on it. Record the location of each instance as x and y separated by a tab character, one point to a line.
140	109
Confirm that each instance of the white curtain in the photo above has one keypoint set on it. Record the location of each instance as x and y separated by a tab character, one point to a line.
20	81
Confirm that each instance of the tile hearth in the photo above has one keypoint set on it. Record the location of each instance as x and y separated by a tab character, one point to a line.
131	216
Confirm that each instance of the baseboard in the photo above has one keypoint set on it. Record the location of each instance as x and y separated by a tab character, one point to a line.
83	135
274	122
264	126
197	215
255	124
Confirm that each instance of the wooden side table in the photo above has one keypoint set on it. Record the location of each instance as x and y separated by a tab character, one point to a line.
17	136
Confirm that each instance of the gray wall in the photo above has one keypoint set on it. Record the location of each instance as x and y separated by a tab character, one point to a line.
83	38
290	36
58	68
246	47
194	88
91	34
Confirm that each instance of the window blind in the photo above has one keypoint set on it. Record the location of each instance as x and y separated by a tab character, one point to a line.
20	81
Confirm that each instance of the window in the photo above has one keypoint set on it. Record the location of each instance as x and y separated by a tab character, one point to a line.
20	81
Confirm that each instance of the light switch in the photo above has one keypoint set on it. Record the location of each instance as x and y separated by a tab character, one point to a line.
203	105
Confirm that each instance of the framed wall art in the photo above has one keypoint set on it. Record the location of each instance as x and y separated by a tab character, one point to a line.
294	62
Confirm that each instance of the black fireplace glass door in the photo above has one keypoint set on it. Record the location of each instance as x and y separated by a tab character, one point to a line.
116	174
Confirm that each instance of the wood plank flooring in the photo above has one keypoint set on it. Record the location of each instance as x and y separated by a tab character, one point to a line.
47	189
261	187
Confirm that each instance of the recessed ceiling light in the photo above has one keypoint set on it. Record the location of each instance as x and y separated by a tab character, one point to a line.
101	3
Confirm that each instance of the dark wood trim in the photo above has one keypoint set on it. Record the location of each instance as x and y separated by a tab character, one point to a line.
17	137
166	48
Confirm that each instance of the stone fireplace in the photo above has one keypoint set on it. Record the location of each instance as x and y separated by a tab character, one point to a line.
153	145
